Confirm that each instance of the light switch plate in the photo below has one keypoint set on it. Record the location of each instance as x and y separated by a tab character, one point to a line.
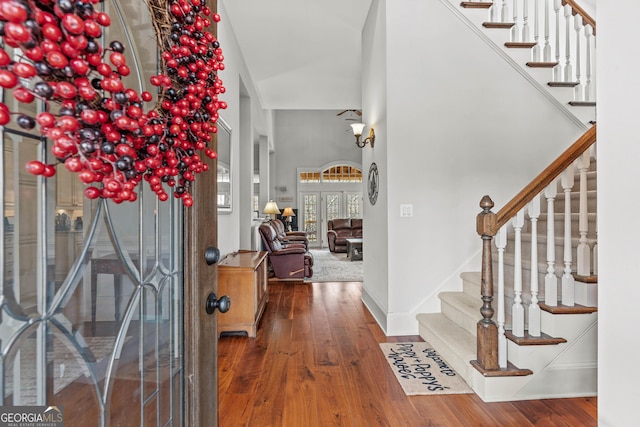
406	211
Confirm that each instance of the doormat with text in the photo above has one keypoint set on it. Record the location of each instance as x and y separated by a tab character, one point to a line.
421	371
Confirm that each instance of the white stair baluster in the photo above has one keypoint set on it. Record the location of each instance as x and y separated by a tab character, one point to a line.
515	30
501	243
517	312
568	69
583	263
557	70
526	35
536	52
504	16
495	12
578	94
551	280
534	308
595	256
568	283
588	92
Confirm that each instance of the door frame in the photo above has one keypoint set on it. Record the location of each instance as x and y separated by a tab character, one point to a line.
321	187
200	279
200	328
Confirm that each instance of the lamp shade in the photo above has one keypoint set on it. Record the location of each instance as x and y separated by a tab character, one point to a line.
271	208
357	128
288	212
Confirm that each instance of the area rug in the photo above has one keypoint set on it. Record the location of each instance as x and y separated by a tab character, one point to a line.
421	371
334	267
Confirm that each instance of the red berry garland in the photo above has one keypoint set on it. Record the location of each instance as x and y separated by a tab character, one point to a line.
101	131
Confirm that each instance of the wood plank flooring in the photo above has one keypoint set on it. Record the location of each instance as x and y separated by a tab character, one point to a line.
316	362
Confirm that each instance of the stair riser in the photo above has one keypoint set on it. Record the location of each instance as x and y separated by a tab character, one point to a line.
468	320
542	261
567	326
592	180
558	225
526	286
455	361
542	256
558	205
471	288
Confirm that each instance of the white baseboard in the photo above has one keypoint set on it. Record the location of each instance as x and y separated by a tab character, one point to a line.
378	313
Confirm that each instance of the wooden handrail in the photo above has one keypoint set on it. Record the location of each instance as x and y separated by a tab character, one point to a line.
546	177
576	9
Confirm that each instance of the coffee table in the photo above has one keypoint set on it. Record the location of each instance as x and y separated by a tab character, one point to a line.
354	249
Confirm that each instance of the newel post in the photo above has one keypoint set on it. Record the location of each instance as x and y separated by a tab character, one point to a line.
487	332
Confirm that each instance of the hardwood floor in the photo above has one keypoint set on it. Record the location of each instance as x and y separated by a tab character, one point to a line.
316	362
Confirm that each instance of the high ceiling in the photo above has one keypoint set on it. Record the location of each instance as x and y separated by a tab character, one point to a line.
301	54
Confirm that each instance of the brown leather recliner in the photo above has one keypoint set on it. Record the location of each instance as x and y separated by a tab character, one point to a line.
291	261
287	237
341	229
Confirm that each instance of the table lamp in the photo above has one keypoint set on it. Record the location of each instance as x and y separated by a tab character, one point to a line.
271	208
289	214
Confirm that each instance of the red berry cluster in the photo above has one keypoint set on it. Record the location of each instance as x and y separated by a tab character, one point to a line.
101	131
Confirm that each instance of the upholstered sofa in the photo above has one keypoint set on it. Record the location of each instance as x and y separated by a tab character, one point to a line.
341	229
289	261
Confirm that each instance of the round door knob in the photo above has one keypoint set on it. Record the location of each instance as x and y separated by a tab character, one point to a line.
223	304
212	255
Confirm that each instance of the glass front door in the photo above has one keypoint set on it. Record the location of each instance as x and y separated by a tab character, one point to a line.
91	314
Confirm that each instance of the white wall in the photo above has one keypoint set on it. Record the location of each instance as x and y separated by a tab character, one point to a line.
375	292
461	123
618	207
238	84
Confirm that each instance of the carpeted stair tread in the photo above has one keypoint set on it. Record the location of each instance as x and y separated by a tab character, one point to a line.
461	308
455	344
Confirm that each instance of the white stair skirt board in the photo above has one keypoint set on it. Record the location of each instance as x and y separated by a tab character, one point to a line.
586	294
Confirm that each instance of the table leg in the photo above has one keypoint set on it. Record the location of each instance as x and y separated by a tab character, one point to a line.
94	291
117	290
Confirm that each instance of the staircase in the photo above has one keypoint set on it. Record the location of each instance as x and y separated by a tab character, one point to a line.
562	361
544	256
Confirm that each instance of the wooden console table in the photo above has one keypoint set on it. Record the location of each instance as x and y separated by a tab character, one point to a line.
243	276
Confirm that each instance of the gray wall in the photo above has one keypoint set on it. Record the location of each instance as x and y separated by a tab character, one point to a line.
309	138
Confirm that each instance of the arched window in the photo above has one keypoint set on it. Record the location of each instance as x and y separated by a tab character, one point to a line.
338	173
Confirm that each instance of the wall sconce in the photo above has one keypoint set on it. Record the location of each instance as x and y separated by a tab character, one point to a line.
357	131
271	208
289	214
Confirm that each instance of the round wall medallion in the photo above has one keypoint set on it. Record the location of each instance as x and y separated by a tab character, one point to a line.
372	183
